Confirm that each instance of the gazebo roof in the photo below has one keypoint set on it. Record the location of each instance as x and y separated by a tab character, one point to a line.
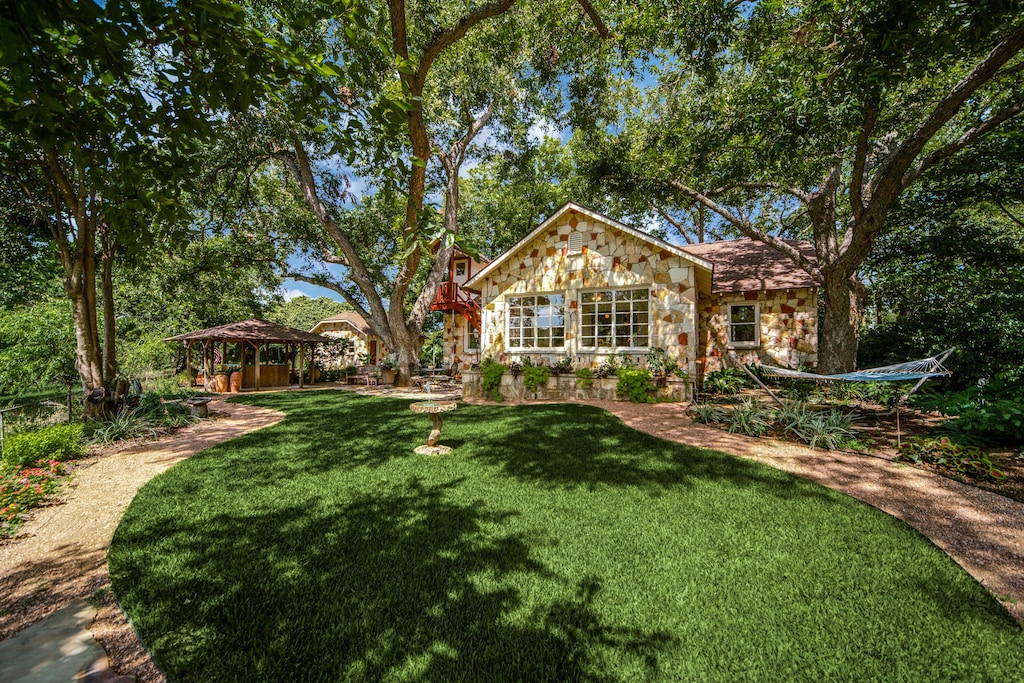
253	331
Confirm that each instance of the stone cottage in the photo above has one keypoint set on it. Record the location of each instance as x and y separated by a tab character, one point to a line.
352	326
586	286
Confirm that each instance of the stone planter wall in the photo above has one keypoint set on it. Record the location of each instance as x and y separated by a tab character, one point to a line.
565	388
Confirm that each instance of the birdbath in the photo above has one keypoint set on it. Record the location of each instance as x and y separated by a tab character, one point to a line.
434	409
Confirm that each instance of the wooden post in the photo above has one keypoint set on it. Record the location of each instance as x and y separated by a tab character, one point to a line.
257	366
302	362
188	363
241	362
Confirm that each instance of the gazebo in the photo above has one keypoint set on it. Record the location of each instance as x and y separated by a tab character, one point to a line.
263	353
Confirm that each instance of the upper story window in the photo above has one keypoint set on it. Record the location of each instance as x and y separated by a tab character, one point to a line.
743	325
615	319
536	321
460	269
575	243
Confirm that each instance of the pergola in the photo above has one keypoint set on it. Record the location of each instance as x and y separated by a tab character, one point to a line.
259	335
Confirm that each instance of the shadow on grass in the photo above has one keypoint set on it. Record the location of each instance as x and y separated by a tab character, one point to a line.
554	445
402	584
573	445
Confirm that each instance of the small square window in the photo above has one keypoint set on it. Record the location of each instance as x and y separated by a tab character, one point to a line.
743	325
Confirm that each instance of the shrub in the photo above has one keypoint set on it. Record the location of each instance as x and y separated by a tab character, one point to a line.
984	414
968	460
23	489
562	367
534	376
634	383
724	382
585	378
127	423
57	442
830	429
490	377
749	418
708	412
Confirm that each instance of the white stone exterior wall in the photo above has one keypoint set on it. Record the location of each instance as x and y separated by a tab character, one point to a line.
610	259
361	341
455	338
787	325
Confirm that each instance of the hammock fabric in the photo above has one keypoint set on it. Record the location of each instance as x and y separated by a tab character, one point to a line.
900	372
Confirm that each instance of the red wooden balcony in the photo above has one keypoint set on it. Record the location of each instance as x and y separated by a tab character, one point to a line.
451	297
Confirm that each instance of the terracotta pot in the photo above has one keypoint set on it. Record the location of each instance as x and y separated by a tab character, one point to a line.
235	382
220	382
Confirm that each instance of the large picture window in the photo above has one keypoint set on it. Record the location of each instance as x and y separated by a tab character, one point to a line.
743	325
536	322
615	319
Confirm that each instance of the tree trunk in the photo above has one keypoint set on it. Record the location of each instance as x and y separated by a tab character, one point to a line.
839	329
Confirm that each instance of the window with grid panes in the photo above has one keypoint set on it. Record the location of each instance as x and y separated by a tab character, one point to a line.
615	319
536	321
743	327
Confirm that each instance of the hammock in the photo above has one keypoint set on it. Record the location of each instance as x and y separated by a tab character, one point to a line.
900	372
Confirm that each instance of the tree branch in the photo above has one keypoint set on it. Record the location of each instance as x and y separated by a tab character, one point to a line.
676	224
900	162
453	34
327	283
802	195
750	230
602	28
940	155
857	180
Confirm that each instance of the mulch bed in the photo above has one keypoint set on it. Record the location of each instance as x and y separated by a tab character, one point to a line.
877	427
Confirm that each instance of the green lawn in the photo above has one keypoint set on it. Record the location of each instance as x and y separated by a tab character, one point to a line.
554	544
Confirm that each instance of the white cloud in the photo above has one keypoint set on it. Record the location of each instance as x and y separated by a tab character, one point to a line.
290	294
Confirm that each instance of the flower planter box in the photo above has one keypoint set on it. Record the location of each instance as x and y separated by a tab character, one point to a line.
565	388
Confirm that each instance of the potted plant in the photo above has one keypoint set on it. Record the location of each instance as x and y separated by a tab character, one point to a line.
387	368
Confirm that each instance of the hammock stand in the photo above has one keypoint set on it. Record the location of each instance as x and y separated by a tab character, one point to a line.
920	370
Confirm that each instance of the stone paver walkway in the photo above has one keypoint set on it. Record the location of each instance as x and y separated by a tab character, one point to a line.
980	530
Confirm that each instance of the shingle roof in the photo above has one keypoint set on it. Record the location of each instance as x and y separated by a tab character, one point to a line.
352	318
253	330
748	265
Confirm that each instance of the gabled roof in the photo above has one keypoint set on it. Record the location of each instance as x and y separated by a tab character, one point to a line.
572	207
745	265
253	330
355	320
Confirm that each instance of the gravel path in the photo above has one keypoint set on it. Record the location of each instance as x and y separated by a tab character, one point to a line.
61	553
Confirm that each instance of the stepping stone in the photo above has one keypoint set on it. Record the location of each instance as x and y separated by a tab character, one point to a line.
53	650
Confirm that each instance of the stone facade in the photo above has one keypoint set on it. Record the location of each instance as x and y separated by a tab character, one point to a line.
456	338
361	343
609	259
787	328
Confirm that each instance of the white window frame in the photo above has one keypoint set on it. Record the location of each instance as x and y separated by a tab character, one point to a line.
613	349
470	331
756	323
508	322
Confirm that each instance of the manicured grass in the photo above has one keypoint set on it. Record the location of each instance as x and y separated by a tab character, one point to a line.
554	544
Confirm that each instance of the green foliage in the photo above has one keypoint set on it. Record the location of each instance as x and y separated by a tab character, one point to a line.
564	366
490	377
990	413
534	377
725	382
749	417
969	460
707	412
634	383
830	429
22	489
584	378
303	312
56	442
37	347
